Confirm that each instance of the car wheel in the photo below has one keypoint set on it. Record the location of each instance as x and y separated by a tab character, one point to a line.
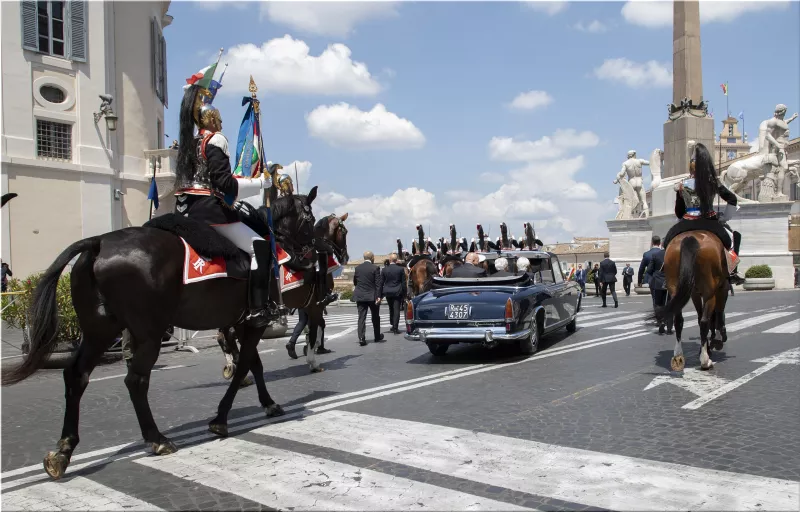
438	349
573	326
530	345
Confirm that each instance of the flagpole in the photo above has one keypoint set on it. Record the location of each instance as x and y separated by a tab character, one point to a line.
296	178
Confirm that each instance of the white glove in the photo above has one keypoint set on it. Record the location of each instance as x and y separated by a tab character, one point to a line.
250	186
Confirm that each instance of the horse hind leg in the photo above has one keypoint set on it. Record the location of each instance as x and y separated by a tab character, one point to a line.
76	378
270	407
678	360
138	383
709	310
227	342
722	297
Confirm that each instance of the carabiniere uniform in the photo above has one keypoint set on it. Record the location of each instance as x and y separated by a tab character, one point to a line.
203	184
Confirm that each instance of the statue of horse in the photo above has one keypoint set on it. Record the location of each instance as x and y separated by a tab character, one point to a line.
133	279
656	164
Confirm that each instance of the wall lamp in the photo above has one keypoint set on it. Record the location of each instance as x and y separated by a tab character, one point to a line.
107	112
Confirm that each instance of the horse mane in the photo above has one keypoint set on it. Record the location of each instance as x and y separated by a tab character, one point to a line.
186	134
705	179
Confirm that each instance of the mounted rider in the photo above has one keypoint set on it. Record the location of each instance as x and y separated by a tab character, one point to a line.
206	188
322	247
688	205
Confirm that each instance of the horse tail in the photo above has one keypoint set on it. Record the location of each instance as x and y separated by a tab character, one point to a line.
686	277
43	315
431	271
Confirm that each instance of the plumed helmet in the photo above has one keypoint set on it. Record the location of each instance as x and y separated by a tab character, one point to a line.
285	184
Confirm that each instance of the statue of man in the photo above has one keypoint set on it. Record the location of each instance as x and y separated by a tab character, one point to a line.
776	137
632	167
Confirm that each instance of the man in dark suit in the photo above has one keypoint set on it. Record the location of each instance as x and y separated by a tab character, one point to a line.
367	296
608	277
627	279
469	268
580	278
655	243
658	285
596	273
394	288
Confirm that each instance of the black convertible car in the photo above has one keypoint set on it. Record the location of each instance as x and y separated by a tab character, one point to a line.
517	309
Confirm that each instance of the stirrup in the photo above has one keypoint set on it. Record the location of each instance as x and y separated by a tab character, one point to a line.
327	300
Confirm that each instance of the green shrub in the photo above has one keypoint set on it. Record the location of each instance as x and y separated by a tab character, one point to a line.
16	315
758	272
590	279
346	295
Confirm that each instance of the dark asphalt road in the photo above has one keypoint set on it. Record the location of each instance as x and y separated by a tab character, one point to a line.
382	412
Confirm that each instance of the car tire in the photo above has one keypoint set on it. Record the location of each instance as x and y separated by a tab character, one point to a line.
573	325
530	344
438	349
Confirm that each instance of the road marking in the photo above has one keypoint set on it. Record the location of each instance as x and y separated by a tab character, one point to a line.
580	476
790	327
643	323
611	320
332	336
267	351
125	374
76	493
697	382
750	322
288	480
244	423
787	357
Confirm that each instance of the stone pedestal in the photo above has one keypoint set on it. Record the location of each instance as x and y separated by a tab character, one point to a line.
676	135
765	239
628	240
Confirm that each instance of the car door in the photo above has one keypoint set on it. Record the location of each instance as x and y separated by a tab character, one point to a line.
560	290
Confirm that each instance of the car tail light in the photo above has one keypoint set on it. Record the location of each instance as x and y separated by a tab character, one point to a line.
409	316
509	315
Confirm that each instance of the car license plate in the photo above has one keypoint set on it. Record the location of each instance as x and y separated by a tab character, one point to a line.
457	311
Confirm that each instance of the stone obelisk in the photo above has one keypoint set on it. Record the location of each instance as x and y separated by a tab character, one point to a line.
688	113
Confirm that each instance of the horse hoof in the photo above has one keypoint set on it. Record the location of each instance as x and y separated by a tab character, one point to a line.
165	448
708	366
218	429
247	381
678	363
274	410
317	370
716	345
228	371
55	464
290	348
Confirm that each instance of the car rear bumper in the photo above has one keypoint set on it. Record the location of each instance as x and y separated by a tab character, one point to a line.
465	334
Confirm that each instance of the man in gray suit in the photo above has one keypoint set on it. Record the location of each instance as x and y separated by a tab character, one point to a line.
367	295
608	276
394	288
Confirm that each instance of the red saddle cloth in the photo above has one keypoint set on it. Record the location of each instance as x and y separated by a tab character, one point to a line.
198	268
291	279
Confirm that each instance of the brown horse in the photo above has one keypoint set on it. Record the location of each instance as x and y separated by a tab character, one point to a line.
695	267
420	277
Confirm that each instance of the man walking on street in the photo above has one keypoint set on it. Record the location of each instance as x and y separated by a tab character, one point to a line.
608	276
627	279
596	274
655	244
367	295
394	288
658	285
580	278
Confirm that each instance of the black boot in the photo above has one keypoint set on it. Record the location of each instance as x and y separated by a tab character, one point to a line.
258	301
323	297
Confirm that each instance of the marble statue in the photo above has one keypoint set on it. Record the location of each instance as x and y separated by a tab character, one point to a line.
632	199
770	164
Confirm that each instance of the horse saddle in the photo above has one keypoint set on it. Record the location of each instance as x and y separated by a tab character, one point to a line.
700	224
205	241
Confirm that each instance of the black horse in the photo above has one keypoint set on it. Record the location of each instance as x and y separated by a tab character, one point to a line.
132	279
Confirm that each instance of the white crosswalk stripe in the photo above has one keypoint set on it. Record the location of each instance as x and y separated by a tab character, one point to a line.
791	327
750	322
76	493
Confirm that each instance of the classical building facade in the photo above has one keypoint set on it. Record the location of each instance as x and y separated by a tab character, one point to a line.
730	144
77	172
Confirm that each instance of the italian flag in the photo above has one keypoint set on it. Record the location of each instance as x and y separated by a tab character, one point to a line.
724	88
571	274
203	77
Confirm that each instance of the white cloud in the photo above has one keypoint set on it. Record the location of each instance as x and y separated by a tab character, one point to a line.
509	150
462	195
593	27
634	74
344	125
550	8
284	65
303	173
336	19
403	208
215	5
531	100
659	14
492	177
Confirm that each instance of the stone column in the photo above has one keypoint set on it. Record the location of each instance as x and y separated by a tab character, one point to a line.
687	121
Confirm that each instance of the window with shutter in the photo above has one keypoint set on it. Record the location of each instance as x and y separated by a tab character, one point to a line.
164	98
77	26
30	26
153	49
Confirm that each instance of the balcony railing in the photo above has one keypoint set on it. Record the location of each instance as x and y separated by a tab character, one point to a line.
162	160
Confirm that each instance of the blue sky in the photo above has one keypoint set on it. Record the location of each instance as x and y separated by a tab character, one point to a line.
405	112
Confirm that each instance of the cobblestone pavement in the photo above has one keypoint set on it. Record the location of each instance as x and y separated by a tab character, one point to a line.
593	420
